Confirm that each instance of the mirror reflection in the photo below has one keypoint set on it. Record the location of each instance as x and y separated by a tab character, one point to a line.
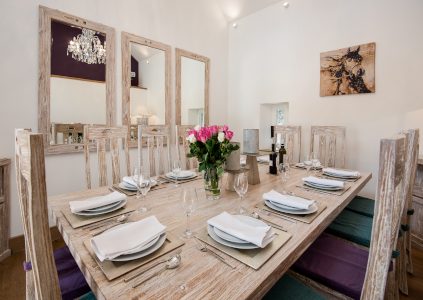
193	79
148	85
77	82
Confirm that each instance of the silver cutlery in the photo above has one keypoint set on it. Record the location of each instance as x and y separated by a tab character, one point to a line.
120	220
203	248
257	216
171	264
104	222
268	212
168	261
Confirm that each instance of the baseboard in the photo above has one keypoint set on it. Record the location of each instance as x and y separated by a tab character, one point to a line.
17	243
417	241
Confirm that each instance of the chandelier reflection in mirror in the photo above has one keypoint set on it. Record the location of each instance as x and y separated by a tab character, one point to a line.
87	48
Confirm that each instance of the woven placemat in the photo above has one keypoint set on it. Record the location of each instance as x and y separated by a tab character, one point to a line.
302	218
312	189
113	270
253	258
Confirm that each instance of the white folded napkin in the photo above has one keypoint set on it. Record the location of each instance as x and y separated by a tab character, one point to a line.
125	239
182	174
257	235
325	182
263	158
129	181
342	173
288	200
81	205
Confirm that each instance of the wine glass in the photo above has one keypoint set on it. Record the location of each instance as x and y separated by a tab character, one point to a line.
308	164
189	200
315	163
241	188
284	173
176	170
143	182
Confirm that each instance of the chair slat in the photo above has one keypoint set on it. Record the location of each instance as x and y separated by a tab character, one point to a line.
328	143
292	138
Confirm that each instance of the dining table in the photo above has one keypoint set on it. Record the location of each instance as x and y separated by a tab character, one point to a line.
201	275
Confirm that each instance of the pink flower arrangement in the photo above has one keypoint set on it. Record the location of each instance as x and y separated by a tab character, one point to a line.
203	134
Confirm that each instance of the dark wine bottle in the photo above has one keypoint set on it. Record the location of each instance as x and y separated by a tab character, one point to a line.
282	152
273	169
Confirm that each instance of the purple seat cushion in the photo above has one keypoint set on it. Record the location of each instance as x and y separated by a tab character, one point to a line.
336	264
72	282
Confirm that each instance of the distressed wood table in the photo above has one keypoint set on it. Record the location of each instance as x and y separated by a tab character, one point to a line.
201	275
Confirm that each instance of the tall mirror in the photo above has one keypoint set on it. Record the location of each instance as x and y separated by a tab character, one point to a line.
192	88
76	81
146	83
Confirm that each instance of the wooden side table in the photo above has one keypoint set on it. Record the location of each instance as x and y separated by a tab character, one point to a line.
4	207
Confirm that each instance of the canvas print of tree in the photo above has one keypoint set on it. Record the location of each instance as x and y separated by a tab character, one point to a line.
348	71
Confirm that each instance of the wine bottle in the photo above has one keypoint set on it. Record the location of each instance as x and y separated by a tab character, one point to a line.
282	152
273	169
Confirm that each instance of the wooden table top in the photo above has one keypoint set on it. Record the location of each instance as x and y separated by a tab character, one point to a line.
201	275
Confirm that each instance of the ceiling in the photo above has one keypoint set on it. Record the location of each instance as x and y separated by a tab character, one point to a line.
236	9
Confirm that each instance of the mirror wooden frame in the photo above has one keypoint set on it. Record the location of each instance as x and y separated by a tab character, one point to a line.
179	53
46	15
126	40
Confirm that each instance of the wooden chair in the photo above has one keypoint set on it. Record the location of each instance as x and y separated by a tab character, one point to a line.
291	136
183	147
328	143
346	260
105	138
157	137
42	265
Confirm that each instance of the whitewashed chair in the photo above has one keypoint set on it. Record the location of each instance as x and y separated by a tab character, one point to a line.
291	135
183	147
46	271
105	138
337	253
157	139
328	143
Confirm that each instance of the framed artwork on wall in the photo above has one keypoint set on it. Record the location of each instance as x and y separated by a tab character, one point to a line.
348	71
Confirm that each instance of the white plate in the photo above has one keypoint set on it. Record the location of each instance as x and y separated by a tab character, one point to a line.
184	174
126	186
104	207
302	165
323	187
228	237
133	256
340	176
286	206
246	219
312	209
96	213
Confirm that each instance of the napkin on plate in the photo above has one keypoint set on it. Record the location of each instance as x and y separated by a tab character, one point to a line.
182	174
325	182
81	205
124	239
288	200
342	173
258	235
263	158
128	180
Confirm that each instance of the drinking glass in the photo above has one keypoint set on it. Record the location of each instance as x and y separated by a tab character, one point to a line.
143	182
308	164
176	170
315	163
284	173
241	188
189	200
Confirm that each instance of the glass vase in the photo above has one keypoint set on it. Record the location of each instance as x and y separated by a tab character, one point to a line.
212	183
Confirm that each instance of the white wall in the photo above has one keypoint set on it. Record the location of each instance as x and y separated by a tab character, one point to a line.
69	96
197	26
274	56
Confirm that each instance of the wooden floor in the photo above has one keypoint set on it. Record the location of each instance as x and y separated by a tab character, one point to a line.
12	277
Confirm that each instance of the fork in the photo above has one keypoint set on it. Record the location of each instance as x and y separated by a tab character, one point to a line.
203	248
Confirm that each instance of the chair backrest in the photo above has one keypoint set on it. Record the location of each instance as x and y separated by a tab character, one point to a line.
158	155
105	137
328	143
183	147
395	167
42	281
291	136
413	150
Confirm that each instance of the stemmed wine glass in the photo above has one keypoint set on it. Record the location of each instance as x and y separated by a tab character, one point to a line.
308	164
315	162
176	170
241	188
189	200
284	173
143	182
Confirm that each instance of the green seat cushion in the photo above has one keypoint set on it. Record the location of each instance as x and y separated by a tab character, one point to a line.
290	288
353	227
363	206
87	296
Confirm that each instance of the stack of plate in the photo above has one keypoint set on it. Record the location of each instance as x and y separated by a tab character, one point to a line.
341	174
264	159
183	175
141	251
102	209
324	184
226	239
289	209
303	166
129	184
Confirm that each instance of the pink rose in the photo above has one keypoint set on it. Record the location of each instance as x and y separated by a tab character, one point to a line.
225	128
228	135
214	129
